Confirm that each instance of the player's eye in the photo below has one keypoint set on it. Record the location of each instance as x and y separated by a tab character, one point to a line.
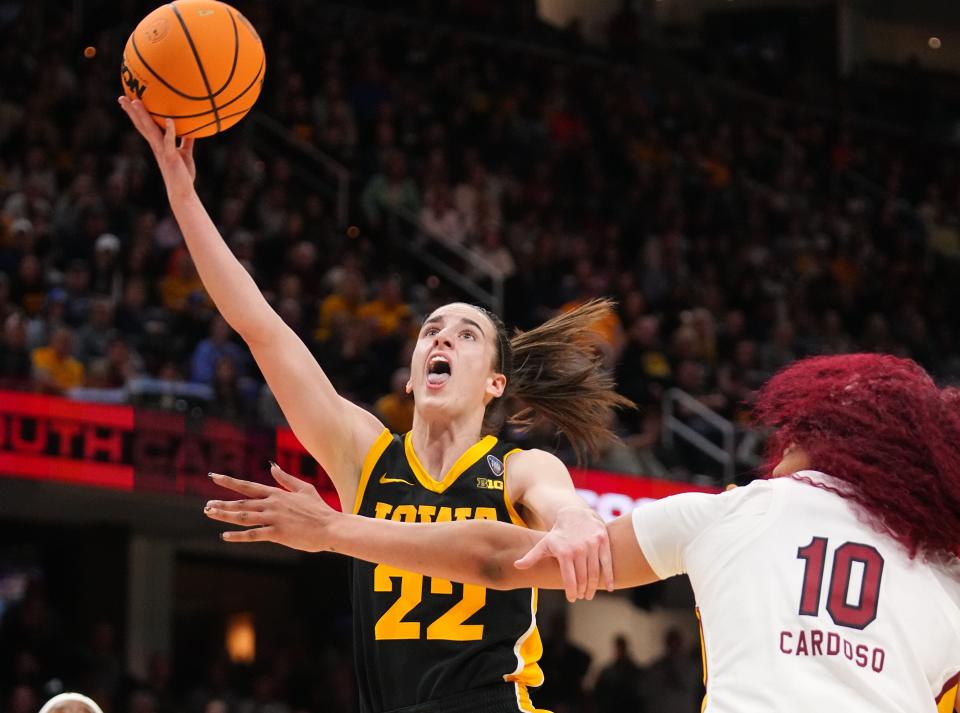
468	333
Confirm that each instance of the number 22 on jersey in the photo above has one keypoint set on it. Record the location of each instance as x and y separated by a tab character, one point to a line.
854	616
449	626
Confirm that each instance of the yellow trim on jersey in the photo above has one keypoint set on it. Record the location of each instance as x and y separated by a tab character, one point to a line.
529	647
469	457
948	701
523	700
370	460
514	515
703	657
528	650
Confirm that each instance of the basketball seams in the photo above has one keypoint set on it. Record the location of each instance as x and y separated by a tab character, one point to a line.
196	56
236	55
220	106
217	121
160	79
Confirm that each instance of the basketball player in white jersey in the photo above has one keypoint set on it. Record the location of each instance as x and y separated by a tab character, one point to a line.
832	586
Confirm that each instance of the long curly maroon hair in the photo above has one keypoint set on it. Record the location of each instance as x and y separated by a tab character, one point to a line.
881	425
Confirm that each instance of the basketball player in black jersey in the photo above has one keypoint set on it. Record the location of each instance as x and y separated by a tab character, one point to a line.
426	644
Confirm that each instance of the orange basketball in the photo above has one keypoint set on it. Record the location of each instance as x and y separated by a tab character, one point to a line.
199	62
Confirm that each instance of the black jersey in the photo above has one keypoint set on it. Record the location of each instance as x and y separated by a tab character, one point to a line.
421	639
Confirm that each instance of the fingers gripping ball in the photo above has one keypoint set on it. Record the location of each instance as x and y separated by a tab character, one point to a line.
199	62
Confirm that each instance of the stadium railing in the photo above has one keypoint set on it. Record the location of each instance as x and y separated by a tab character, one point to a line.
674	427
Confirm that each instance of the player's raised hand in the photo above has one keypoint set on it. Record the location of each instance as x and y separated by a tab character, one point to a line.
175	161
293	515
581	545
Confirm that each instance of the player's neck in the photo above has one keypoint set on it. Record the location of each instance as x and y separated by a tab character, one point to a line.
438	443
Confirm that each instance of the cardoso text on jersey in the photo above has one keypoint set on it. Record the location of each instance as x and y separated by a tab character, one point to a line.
814	642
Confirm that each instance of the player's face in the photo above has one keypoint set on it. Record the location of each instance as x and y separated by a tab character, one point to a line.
452	367
794	459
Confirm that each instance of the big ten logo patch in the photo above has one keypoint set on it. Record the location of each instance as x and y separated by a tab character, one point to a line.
489	484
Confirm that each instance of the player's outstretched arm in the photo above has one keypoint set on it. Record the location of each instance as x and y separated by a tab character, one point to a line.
336	432
480	552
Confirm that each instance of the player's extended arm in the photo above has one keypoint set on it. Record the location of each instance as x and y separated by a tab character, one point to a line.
481	552
336	432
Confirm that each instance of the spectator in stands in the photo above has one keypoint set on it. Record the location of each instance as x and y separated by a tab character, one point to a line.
6	305
439	217
180	282
388	312
159	684
477	197
341	305
76	283
264	698
15	362
123	363
229	400
212	350
564	667
103	665
739	379
55	370
96	378
94	336
29	288
673	678
188	328
493	250
620	684
23	699
132	314
53	315
142	701
390	190
780	350
107	278
396	408
645	369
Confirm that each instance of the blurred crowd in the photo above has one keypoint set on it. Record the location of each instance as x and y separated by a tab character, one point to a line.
735	236
40	657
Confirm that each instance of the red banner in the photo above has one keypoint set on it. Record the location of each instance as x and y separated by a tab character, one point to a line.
613	494
138	449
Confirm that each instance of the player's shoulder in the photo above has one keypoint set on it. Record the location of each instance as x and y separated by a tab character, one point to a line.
527	459
809	482
758	493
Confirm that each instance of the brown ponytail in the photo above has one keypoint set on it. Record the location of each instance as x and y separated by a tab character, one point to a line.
554	374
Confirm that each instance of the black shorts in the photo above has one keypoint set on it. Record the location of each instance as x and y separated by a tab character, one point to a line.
499	698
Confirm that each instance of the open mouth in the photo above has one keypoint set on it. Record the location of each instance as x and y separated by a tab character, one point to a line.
438	371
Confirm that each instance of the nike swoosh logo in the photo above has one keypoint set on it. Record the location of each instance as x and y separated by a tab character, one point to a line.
384	480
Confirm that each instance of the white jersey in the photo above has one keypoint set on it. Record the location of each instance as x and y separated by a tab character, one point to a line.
805	607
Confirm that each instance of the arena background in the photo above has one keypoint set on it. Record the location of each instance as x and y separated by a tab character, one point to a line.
753	181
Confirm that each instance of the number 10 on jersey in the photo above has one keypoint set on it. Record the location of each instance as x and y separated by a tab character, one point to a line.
843	613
